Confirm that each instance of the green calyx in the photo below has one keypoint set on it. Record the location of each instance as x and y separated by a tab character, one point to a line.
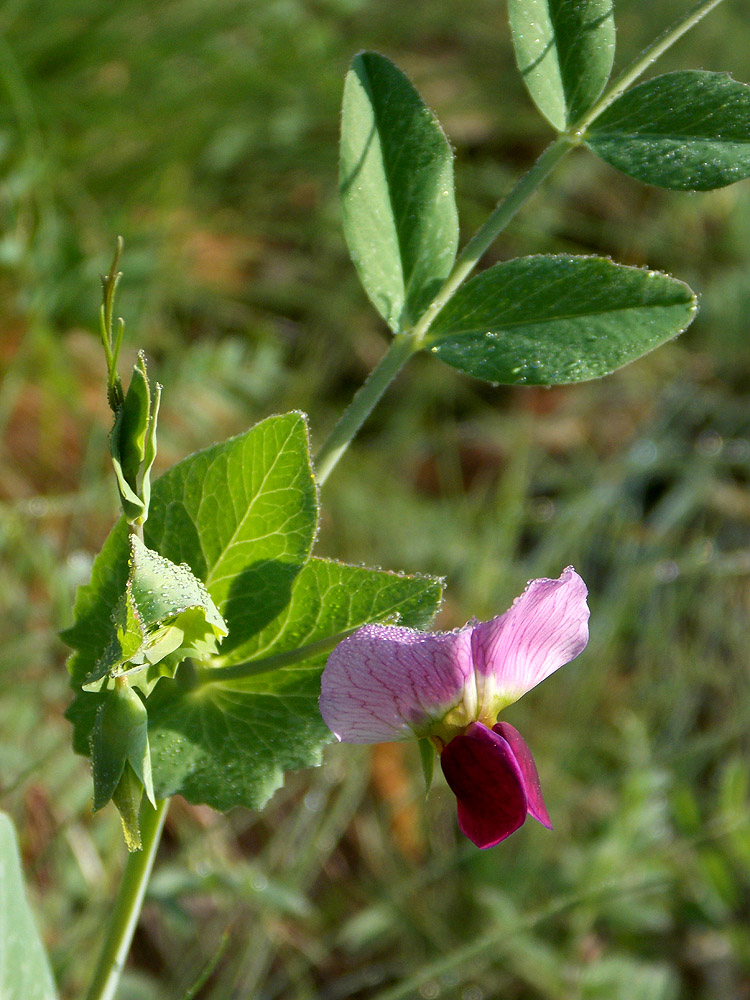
121	758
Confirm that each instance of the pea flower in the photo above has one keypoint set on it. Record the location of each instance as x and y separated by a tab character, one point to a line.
386	683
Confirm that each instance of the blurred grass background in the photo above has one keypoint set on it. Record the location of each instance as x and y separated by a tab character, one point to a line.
205	133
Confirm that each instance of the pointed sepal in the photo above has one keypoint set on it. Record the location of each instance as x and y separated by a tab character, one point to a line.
427	760
149	453
128	797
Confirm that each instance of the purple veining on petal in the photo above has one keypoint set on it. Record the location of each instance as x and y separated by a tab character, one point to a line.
482	770
546	627
529	773
384	682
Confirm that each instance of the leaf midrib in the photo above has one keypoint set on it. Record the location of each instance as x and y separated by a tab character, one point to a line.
562	317
211	573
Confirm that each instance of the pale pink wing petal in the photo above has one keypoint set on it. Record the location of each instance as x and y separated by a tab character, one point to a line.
385	683
482	770
546	627
529	773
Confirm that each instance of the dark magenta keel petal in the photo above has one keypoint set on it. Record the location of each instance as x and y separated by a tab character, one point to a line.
482	771
529	772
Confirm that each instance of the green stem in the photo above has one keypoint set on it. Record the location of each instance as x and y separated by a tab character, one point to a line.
484	238
405	344
365	399
239	671
112	342
641	64
128	904
105	339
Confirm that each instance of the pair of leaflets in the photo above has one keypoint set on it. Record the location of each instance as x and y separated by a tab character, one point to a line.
542	320
688	131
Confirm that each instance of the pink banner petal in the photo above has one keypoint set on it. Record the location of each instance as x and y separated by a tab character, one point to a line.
482	770
385	683
529	773
546	627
